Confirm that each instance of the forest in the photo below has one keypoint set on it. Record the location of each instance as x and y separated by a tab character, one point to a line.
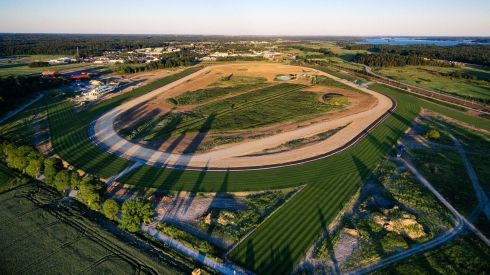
396	60
14	89
184	57
473	54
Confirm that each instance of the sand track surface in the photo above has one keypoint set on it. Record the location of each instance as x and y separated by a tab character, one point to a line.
103	132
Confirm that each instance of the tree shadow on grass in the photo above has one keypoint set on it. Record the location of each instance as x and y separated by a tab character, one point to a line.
216	211
328	241
181	163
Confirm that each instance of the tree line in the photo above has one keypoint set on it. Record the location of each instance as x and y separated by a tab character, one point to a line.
184	57
396	60
473	54
50	170
15	89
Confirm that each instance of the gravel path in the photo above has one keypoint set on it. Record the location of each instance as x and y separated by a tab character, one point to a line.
223	268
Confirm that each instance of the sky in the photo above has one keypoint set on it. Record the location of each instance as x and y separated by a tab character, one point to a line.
249	17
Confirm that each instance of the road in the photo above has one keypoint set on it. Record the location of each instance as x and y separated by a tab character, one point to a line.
21	108
203	259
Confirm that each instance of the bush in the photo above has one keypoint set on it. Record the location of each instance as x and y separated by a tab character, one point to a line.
89	194
51	168
433	134
135	212
110	208
34	167
62	180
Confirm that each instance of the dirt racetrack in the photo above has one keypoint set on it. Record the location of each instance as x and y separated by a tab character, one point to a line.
234	156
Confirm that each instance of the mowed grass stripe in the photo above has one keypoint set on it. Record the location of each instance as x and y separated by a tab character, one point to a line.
305	223
292	211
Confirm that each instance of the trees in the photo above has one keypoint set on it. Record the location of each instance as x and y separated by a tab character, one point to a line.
34	167
51	168
89	194
75	180
135	212
15	89
110	208
474	54
62	180
168	60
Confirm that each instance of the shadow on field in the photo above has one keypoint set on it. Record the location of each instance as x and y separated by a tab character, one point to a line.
166	132
280	261
215	211
176	173
250	254
328	241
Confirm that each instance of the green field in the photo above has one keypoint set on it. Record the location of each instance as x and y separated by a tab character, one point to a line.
439	79
24	69
330	182
260	107
227	85
207	94
41	236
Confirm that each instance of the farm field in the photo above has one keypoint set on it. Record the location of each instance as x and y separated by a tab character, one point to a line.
307	213
10	179
42	235
442	79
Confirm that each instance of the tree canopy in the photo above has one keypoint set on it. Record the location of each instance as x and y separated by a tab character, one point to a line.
134	213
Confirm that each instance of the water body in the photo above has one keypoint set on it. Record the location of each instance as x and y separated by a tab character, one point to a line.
418	41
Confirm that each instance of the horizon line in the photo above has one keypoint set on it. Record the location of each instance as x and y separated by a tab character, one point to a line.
255	35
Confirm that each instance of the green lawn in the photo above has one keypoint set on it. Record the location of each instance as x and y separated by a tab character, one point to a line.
39	237
437	78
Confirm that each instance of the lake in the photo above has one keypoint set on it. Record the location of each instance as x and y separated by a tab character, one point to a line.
418	41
